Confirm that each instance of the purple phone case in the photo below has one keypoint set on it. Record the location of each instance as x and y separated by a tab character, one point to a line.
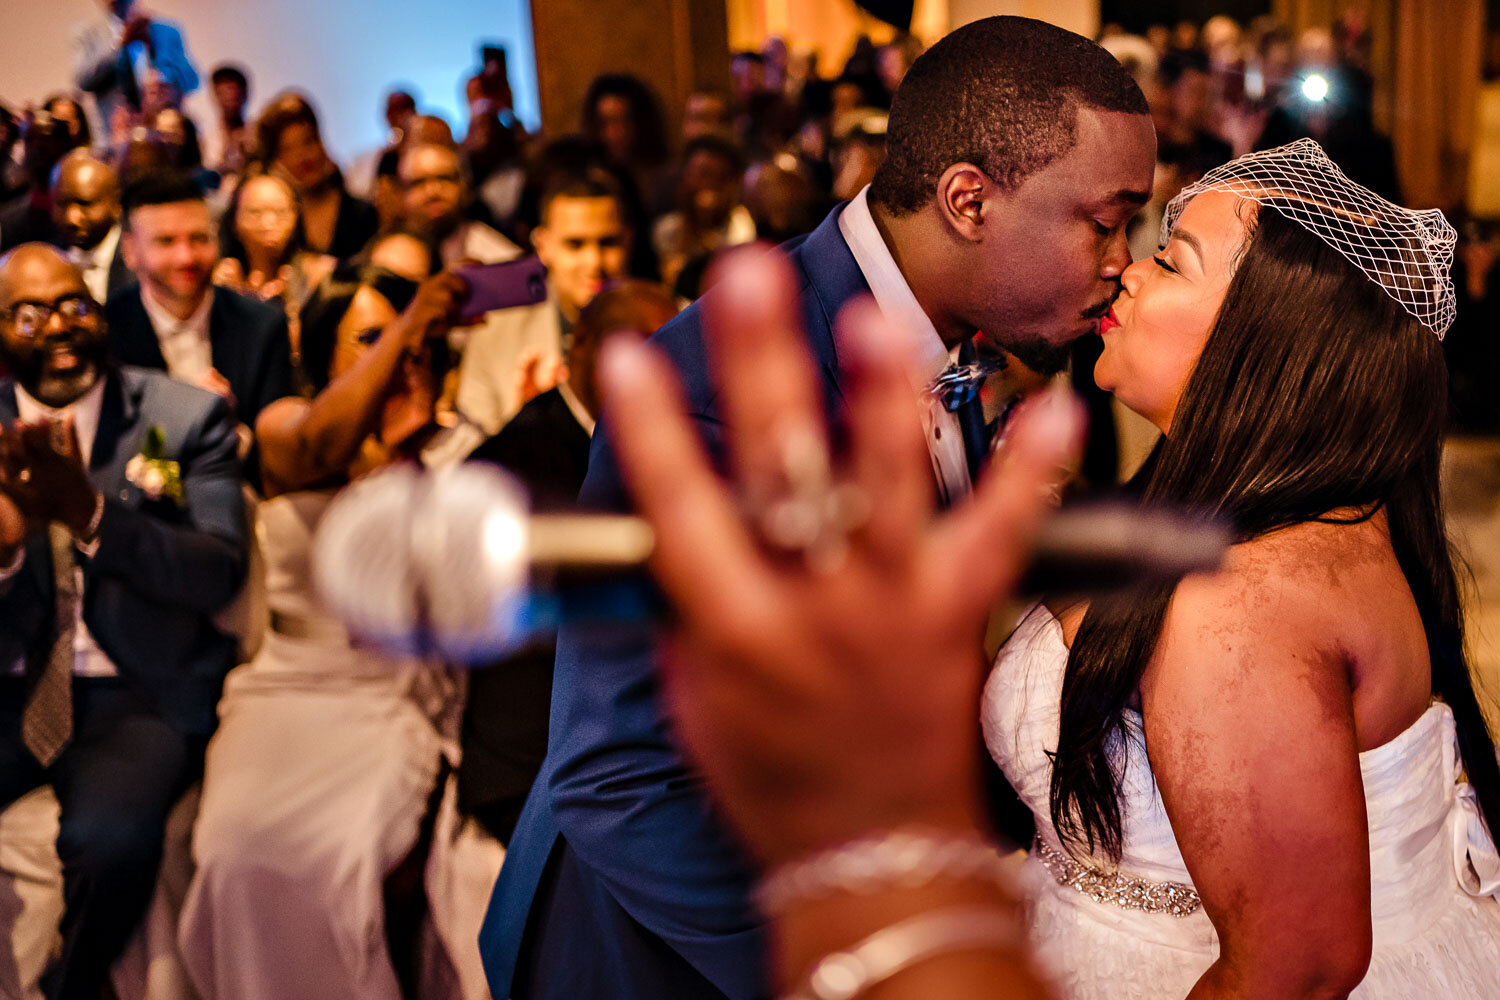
503	286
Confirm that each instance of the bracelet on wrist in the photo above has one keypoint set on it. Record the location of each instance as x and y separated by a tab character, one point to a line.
847	973
895	859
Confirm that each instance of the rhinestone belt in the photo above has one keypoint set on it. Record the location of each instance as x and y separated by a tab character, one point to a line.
1173	898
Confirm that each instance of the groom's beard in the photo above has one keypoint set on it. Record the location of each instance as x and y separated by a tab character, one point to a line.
1042	356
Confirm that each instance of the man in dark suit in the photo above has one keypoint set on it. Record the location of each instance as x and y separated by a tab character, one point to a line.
111	566
176	320
546	446
86	222
1017	153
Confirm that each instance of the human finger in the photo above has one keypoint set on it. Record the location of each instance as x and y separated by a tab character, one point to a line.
991	536
704	558
888	457
768	384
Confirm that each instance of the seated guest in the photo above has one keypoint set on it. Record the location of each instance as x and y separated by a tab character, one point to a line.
176	320
434	199
265	253
709	215
334	221
547	447
328	753
27	216
86	222
112	567
584	242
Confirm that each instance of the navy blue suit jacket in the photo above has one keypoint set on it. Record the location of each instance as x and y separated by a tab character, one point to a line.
614	789
162	569
247	340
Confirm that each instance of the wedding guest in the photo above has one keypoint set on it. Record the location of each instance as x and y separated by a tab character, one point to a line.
399	109
707	112
86	220
117	54
623	116
264	253
333	221
584	241
709	215
435	195
176	321
546	446
121	533
232	142
70	113
328	752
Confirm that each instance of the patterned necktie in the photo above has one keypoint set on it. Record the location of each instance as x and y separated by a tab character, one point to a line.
47	720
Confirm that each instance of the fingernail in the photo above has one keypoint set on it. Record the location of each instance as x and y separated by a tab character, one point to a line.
1052	427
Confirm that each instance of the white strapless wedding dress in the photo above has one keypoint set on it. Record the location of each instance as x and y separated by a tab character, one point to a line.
1136	930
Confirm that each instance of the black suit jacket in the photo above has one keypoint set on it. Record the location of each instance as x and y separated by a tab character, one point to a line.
505	716
162	569
247	340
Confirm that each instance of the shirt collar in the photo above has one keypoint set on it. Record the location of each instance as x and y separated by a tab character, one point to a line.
580	412
892	294
104	254
84	410
165	323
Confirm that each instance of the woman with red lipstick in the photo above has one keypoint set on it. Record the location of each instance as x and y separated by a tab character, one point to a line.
1252	784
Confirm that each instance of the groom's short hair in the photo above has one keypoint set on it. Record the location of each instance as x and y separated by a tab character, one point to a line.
1001	93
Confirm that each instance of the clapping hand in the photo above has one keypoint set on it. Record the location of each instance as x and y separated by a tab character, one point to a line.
825	666
42	478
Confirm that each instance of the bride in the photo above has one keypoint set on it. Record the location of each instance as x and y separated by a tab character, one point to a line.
1271	782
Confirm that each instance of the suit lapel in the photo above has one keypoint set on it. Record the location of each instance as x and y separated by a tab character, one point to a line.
117	416
832	278
134	337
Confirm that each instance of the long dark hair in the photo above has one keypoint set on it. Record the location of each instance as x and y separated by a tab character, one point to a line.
1300	405
230	243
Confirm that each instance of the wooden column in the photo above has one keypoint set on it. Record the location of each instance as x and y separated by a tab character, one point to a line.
675	46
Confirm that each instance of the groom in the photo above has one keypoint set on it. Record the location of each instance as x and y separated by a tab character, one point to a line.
1016	154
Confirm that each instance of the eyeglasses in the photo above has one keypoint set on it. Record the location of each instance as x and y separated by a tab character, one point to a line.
30	318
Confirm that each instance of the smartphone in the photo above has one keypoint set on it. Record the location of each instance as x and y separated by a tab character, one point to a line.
503	286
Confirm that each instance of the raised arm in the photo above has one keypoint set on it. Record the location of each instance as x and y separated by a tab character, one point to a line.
304	443
1250	731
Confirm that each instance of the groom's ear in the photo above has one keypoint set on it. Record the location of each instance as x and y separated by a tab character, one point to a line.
961	194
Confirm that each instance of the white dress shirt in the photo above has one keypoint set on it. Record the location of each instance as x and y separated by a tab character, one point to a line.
88	659
95	263
945	440
184	342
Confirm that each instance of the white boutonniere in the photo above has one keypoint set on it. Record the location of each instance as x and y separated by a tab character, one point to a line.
152	472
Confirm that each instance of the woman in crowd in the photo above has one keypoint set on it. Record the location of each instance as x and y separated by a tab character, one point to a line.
333	220
263	251
327	753
623	116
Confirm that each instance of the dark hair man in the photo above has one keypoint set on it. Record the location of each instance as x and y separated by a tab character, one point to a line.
1016	154
86	221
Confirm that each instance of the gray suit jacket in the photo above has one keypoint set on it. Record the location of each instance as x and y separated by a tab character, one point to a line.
161	569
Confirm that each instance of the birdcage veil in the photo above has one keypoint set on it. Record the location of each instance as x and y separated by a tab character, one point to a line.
1408	253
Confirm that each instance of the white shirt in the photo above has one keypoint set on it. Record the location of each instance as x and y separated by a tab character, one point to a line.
95	263
184	342
945	440
88	659
580	412
477	242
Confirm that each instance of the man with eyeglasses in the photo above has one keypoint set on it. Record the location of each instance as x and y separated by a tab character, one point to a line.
434	198
122	531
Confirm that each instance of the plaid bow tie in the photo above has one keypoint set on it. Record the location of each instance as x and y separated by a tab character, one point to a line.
957	385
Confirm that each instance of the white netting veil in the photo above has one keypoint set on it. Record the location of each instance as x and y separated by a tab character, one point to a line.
1406	252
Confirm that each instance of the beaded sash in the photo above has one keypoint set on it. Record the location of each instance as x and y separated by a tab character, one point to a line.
1173	898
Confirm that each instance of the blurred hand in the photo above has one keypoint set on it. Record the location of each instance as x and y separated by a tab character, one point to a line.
229	274
218	385
17	498
59	484
823	704
539	371
433	310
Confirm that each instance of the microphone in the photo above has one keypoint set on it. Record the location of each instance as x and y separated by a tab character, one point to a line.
451	562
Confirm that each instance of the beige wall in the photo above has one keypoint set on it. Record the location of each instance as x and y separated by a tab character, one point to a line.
1081	16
